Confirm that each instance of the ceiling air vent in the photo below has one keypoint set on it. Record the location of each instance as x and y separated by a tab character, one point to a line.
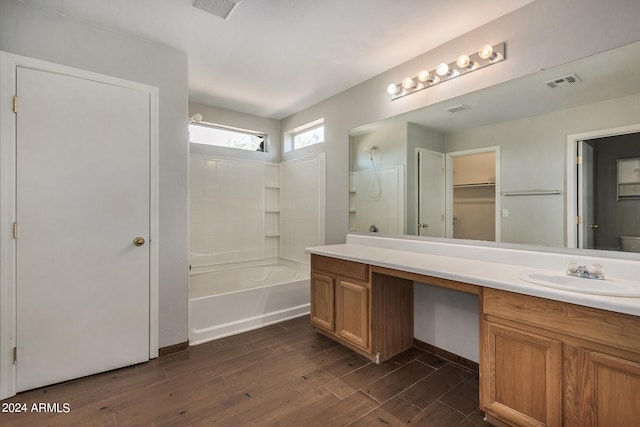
563	81
457	108
220	8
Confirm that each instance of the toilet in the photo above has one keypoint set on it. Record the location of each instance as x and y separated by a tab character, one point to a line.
630	243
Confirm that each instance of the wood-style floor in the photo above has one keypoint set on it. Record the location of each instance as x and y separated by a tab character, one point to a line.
280	375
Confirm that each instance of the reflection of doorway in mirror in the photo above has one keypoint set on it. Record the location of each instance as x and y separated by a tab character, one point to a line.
472	203
607	207
431	193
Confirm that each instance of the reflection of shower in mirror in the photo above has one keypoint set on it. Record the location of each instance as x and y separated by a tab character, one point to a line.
374	189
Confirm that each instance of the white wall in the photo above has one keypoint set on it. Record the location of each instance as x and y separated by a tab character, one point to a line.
33	32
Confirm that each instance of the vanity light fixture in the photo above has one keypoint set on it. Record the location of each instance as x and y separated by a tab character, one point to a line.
487	55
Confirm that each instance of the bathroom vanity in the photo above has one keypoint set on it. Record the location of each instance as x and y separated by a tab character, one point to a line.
548	356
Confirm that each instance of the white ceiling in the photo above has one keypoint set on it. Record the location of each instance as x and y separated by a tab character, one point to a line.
272	58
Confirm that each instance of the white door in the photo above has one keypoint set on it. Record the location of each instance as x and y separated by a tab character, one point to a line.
82	194
431	193
586	208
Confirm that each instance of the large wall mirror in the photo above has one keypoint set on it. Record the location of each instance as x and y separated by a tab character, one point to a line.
535	161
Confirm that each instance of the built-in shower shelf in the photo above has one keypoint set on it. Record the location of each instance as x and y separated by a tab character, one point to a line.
275	187
274	211
273	234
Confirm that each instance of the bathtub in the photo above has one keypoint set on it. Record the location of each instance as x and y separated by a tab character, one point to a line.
226	300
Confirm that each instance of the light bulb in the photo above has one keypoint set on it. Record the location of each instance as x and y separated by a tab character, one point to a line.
442	69
424	76
463	61
486	52
393	89
408	83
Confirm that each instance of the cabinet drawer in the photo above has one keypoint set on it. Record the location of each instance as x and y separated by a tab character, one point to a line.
606	327
341	267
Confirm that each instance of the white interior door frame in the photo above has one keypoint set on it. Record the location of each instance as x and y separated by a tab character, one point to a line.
572	174
449	189
8	64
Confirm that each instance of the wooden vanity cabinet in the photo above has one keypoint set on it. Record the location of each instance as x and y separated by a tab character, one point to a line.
550	363
352	313
341	307
322	301
369	313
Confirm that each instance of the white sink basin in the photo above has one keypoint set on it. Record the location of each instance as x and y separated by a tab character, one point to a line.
618	288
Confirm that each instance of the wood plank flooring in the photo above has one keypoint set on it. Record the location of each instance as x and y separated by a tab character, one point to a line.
281	375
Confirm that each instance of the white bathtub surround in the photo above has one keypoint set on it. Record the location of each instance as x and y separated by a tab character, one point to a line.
249	211
250	224
302	206
238	297
450	319
227	215
379	200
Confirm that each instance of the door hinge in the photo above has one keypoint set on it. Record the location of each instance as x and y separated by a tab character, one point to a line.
15	355
579	220
15	230
15	103
442	171
579	160
442	217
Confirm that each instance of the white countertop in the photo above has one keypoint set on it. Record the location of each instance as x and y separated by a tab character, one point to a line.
503	271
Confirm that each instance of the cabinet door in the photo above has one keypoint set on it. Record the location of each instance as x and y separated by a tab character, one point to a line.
322	301
352	320
520	376
612	392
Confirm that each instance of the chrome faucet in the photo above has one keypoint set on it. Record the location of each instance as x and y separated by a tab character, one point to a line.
596	271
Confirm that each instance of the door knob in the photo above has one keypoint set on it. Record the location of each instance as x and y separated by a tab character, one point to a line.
138	241
594	226
423	225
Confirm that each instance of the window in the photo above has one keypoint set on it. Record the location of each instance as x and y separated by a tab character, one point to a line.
308	137
303	136
208	134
